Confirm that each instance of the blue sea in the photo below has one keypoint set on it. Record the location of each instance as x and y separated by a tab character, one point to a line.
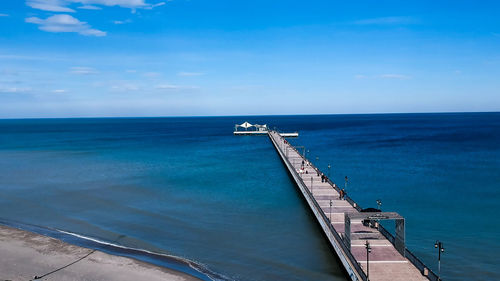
187	194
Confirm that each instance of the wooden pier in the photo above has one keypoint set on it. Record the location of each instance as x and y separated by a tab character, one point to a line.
349	230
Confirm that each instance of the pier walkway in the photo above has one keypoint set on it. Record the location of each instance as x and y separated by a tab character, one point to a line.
332	212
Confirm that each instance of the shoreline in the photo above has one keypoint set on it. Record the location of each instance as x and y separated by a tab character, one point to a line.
25	254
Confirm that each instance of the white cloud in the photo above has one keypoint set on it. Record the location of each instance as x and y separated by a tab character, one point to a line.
83	70
59	91
89	7
65	23
249	87
152	74
12	90
168	87
63	5
395	76
184	73
124	86
149	7
4	15
122	21
386	21
160	4
122	3
174	87
383	76
50	5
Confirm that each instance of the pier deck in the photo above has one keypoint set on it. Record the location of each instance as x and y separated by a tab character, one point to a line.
385	262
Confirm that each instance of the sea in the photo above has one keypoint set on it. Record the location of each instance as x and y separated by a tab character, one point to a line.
187	194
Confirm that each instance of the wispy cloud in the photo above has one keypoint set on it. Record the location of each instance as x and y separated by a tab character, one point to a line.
152	74
89	7
13	90
185	73
50	5
383	76
160	4
168	87
32	57
395	76
122	21
4	15
386	21
250	87
59	91
63	5
122	3
83	70
125	86
174	87
156	5
65	23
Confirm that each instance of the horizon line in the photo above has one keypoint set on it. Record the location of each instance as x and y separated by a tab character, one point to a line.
248	115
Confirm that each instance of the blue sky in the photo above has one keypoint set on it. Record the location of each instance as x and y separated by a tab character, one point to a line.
70	58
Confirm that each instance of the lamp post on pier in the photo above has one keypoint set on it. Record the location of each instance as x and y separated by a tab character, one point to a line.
329	166
379	203
368	251
439	245
345	183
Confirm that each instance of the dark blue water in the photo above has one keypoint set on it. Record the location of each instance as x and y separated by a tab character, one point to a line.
187	187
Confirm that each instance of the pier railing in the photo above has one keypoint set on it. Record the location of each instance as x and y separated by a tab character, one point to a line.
338	238
425	270
347	253
346	197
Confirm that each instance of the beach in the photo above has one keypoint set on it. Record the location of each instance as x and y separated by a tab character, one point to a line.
24	255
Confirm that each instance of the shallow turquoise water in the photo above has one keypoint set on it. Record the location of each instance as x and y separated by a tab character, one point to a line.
187	187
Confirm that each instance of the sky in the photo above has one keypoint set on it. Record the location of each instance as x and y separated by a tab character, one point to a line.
120	58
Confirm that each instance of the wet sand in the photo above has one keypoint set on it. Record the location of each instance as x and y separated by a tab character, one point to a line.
24	255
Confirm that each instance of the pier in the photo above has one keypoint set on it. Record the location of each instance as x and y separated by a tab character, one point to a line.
366	250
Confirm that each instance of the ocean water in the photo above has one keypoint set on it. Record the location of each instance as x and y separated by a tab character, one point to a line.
188	188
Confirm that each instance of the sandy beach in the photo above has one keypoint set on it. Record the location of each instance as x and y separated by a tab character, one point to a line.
24	255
